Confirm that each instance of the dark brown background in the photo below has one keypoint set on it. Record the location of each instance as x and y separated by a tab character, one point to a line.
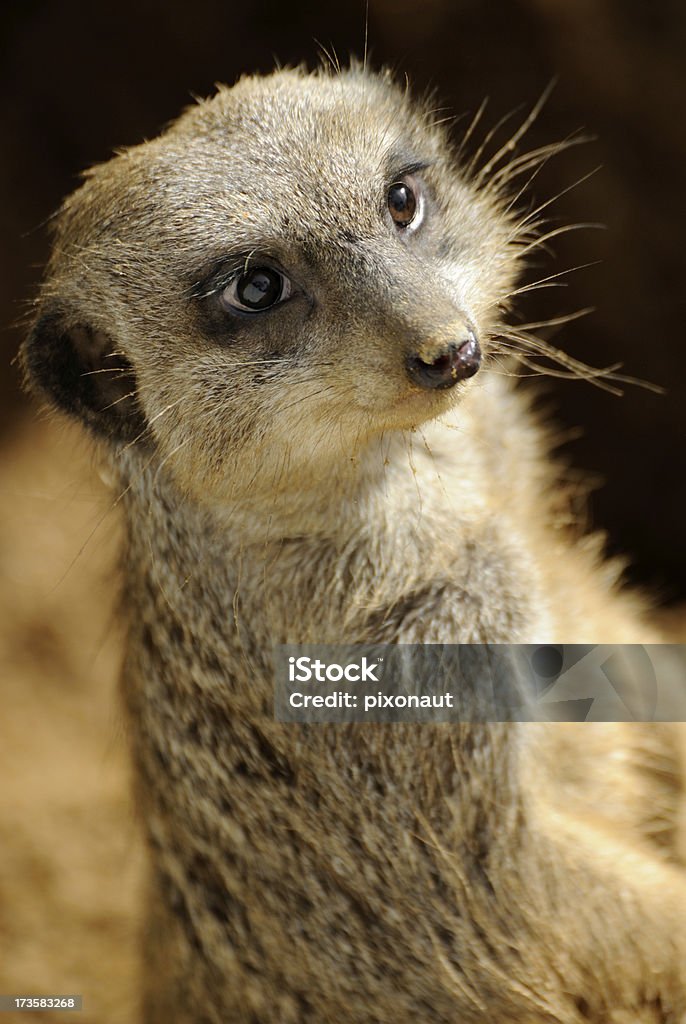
78	79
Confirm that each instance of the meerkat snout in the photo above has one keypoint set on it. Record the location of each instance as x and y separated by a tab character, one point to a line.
454	362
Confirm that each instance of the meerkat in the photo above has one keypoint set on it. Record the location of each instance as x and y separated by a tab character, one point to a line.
280	319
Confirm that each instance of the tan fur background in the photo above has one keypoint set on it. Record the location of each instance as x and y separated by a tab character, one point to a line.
70	860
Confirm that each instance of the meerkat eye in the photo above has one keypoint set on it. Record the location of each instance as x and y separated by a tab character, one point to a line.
404	203
255	290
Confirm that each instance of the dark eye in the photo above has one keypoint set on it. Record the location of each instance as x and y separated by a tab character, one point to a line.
403	203
255	290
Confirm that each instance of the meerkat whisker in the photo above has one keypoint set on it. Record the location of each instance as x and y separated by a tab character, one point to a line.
538	167
550	280
526	220
535	158
471	127
511	143
556	232
473	165
564	318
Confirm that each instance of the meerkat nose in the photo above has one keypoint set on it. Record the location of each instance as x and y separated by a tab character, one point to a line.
456	362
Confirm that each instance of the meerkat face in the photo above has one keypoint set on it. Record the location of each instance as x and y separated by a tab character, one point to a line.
296	266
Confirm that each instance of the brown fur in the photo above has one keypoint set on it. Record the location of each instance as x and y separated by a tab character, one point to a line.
283	480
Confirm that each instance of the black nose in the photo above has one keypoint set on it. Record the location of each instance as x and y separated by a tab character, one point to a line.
454	363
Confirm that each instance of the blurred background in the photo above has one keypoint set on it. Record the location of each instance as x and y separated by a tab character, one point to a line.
79	79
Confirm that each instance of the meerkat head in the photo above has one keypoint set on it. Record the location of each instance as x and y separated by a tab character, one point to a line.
294	267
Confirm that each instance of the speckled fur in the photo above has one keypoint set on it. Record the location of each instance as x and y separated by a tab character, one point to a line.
284	481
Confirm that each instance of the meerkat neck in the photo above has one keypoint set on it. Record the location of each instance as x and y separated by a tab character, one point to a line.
206	620
328	565
205	590
411	509
400	480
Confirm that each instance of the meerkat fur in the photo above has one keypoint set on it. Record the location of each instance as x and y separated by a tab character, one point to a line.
285	479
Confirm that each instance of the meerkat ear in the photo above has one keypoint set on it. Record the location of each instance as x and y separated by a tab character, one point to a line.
80	372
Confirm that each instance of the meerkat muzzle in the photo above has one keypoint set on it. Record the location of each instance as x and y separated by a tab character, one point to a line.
456	362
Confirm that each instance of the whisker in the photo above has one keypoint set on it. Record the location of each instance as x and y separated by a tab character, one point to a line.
526	348
167	457
366	34
473	163
473	124
304	398
564	318
152	420
549	282
542	239
559	195
560	147
521	131
108	511
106	369
335	66
122	398
533	158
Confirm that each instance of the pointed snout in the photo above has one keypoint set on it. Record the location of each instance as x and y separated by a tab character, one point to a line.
445	365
